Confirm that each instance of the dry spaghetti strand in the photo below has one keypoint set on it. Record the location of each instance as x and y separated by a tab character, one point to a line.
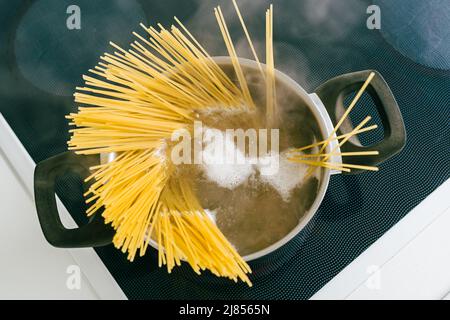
322	158
234	58
249	39
271	112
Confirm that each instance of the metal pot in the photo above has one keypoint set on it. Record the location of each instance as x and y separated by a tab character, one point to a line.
325	103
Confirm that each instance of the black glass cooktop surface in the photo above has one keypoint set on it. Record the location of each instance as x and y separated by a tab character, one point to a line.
42	58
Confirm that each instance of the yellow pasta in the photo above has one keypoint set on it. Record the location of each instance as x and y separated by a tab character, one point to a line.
247	35
271	112
322	158
234	57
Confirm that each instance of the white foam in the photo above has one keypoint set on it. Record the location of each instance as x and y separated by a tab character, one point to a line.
211	214
289	176
216	154
224	163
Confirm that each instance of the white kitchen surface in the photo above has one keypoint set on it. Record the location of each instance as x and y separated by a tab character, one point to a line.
30	267
412	260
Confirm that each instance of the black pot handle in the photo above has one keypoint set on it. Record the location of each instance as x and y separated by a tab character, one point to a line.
332	94
93	234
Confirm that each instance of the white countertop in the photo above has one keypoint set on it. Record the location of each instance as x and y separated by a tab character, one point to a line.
30	267
410	261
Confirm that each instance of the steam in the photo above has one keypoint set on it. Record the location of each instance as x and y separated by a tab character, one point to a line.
323	22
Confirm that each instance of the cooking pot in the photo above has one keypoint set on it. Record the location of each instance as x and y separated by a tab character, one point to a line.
326	106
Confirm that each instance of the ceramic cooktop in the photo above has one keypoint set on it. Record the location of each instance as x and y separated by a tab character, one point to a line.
43	55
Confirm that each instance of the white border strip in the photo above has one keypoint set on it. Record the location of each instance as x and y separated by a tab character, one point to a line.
89	262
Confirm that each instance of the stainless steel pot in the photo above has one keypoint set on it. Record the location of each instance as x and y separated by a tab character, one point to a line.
325	103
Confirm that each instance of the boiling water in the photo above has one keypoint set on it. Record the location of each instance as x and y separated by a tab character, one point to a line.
253	210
